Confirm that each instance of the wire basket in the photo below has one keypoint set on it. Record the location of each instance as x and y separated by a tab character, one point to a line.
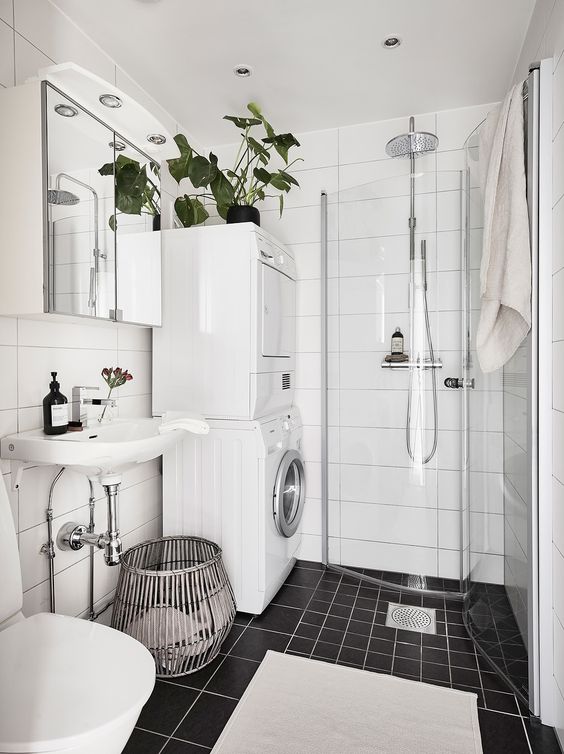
174	596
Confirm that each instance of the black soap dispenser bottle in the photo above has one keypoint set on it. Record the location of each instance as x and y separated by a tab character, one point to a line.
55	410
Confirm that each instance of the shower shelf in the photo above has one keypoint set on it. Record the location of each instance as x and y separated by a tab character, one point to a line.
427	364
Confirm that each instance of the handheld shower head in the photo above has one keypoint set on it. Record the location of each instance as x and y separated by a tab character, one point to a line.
412	144
59	197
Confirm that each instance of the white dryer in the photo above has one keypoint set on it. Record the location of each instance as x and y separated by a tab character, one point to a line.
226	348
242	486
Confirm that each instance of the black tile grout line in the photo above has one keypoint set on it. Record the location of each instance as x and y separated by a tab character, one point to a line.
306	608
371	631
339	583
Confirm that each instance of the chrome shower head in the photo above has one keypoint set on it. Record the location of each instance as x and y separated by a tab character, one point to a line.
413	144
58	197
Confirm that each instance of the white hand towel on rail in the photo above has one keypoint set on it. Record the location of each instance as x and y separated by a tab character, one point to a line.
505	271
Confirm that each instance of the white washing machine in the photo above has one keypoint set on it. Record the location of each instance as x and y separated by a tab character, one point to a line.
242	486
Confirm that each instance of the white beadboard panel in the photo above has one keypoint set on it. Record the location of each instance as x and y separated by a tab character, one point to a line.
558	594
559	654
28	60
558	445
6	54
51	31
558	368
392	486
389	557
389	523
366	142
454	126
486	568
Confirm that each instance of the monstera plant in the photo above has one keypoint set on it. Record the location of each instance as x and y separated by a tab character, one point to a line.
236	191
135	192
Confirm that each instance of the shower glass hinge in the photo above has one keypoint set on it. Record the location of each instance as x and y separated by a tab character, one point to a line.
459	382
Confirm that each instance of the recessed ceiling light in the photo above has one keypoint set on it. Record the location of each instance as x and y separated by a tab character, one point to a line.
243	71
156	138
110	100
67	111
390	43
119	146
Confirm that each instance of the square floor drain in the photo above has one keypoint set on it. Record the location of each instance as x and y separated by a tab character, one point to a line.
410	618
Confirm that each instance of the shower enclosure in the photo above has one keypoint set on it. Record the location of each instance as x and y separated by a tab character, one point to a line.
429	470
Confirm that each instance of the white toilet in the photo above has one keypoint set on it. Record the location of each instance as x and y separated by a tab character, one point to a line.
66	684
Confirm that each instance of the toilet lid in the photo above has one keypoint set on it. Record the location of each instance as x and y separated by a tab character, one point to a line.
62	678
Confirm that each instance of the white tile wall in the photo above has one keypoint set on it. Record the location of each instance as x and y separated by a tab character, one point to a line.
40	36
386	515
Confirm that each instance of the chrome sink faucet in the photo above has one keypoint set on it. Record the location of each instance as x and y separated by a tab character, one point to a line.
80	402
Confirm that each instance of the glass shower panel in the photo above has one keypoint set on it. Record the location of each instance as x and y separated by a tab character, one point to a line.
497	477
392	514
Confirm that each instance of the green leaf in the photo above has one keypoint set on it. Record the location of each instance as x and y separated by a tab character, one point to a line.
131	180
279	182
262	175
201	172
289	178
242	123
281	200
222	210
222	191
282	144
253	108
256	146
107	169
179	166
112	222
190	211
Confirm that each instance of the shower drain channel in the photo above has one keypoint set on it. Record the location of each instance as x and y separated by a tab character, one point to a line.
411	618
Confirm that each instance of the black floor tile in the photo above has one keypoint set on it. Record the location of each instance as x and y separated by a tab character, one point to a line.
174	746
463	660
293	596
331	635
325	650
502	734
199	678
430	654
432	672
411	651
243	619
307	631
278	618
351	656
360	627
465	677
404	666
304	577
143	742
231	638
382	646
232	677
356	641
333	621
207	718
301	645
499	702
433	640
542	738
255	643
376	661
311	564
166	707
314	619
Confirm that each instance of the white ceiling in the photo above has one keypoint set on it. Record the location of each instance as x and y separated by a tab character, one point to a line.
317	63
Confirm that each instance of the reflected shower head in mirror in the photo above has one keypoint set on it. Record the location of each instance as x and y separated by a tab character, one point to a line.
59	197
413	144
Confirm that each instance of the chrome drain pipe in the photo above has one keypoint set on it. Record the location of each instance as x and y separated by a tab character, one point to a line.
49	547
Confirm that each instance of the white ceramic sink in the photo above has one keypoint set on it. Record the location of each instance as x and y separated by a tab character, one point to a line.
97	451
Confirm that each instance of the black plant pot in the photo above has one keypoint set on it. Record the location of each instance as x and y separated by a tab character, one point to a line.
156	222
243	214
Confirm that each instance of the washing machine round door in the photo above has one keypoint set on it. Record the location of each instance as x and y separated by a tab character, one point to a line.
289	493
